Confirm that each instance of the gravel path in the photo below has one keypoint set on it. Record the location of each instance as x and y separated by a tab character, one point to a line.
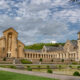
56	76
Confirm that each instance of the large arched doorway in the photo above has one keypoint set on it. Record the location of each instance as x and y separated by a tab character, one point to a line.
9	44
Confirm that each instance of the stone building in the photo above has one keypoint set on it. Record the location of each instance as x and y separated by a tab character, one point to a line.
69	52
10	46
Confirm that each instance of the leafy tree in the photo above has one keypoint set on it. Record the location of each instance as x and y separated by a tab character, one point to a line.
39	46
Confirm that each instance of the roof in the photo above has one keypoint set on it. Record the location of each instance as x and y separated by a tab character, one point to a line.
30	50
52	48
2	37
74	42
10	29
20	42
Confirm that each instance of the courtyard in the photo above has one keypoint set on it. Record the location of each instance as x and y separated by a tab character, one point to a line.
60	72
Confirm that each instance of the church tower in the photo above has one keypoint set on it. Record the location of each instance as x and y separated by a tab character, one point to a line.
11	42
78	46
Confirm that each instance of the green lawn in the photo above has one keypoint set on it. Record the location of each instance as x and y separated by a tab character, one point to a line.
14	76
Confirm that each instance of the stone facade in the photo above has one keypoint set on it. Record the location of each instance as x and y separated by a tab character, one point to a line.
69	52
10	46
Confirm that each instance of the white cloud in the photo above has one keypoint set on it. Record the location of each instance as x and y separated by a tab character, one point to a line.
39	20
38	2
69	15
53	41
3	4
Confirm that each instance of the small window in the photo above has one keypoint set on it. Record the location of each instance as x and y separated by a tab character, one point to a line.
74	47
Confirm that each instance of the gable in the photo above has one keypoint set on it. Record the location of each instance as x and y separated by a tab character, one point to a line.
10	30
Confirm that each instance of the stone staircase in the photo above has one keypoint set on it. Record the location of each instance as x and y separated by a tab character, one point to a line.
17	61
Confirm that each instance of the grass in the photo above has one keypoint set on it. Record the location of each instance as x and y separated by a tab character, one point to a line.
15	76
39	46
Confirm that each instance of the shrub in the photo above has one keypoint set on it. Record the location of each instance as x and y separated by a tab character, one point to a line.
29	69
78	67
71	60
40	60
70	66
28	66
24	61
49	71
60	66
62	60
13	67
48	67
74	63
4	59
39	67
76	73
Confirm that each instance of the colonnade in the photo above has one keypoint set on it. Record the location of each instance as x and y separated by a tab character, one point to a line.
54	55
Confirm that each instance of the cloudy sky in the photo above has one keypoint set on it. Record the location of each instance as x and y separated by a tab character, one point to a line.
41	20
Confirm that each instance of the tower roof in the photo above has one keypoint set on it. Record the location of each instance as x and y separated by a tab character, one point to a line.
10	29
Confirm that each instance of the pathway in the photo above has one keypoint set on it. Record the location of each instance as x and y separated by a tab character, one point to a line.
56	76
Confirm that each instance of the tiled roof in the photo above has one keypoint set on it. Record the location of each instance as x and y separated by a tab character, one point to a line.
52	48
74	42
30	50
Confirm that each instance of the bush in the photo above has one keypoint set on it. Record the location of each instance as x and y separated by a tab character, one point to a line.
40	60
39	67
13	67
29	69
48	67
24	61
74	63
76	73
70	66
49	71
78	67
28	66
60	66
62	60
4	59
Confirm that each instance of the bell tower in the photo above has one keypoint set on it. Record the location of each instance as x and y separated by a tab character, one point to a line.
11	43
78	42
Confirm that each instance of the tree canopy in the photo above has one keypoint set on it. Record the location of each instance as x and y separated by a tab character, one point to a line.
39	46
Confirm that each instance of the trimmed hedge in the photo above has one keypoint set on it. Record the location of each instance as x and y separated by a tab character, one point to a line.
13	67
76	73
78	67
75	63
49	71
29	69
48	66
4	59
24	61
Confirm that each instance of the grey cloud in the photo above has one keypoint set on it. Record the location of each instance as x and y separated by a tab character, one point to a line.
36	22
